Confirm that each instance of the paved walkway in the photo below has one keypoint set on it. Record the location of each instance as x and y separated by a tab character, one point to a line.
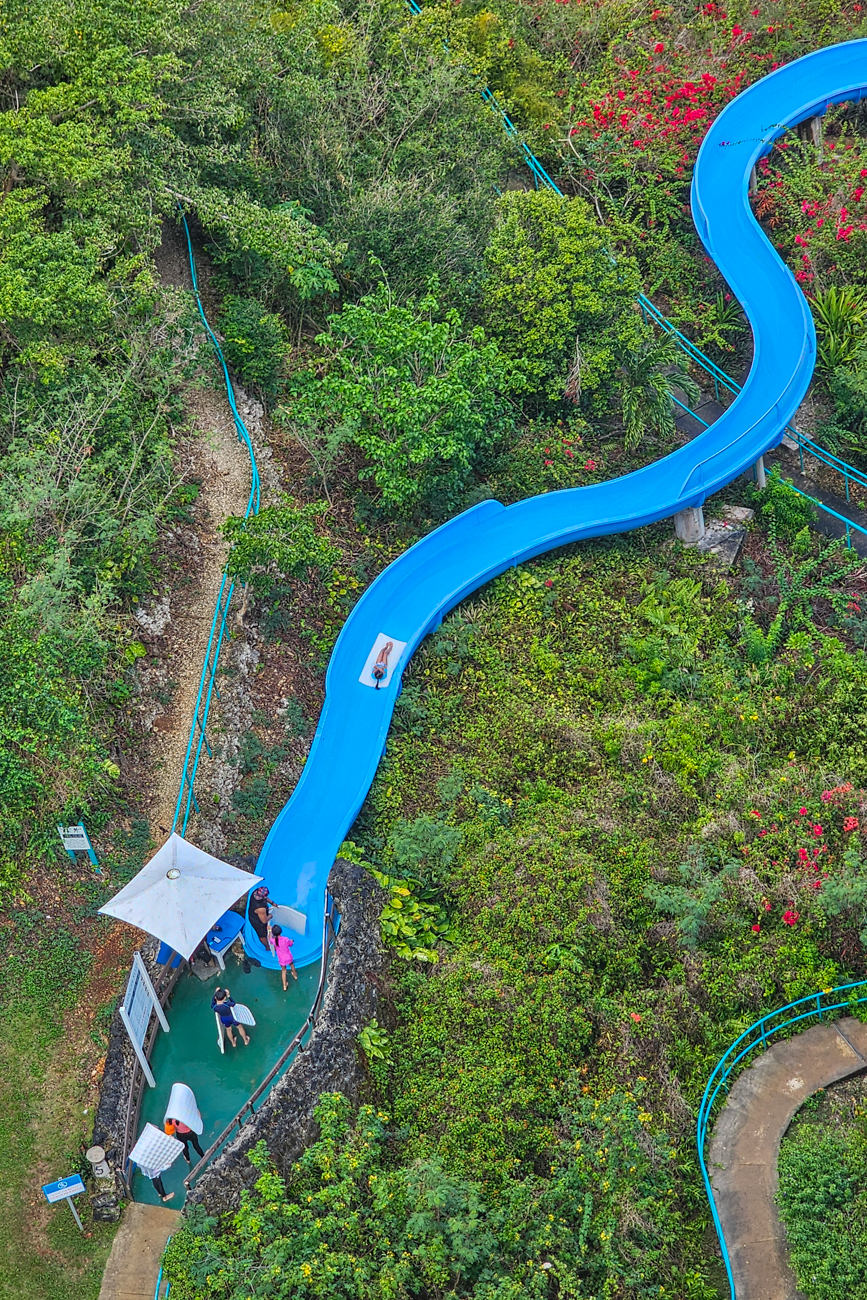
134	1263
746	1145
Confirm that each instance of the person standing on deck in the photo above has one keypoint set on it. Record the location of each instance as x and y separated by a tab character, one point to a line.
183	1119
281	945
222	1005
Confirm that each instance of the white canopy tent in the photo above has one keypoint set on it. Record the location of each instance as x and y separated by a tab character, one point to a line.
179	894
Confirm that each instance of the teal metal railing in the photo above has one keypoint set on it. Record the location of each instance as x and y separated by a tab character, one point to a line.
848	471
758	1035
159	1294
208	680
850	523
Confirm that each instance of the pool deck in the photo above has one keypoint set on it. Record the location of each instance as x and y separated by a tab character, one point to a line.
222	1082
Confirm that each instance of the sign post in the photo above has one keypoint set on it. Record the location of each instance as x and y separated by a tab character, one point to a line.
140	999
76	840
64	1190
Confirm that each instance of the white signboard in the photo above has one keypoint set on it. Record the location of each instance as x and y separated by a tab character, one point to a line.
74	838
140	999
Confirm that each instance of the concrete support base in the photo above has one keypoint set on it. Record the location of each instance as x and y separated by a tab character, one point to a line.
689	525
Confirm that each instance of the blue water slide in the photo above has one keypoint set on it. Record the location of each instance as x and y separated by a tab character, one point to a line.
409	599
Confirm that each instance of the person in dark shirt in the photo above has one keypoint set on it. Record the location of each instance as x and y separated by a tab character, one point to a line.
222	1004
260	914
184	1134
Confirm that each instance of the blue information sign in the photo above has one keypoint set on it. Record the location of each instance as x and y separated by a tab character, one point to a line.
71	1186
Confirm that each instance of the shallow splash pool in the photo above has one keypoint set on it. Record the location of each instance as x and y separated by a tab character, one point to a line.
189	1054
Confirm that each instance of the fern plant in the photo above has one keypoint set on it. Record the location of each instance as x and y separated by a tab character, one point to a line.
800	582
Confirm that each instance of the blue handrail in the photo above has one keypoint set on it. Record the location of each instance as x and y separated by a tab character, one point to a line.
165	1294
207	681
805	444
850	523
741	1048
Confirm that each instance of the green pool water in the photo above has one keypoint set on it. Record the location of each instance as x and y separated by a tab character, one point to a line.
189	1054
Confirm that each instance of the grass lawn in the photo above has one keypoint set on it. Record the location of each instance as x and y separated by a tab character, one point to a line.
55	983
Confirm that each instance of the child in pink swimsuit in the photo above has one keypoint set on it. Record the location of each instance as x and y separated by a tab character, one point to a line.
282	945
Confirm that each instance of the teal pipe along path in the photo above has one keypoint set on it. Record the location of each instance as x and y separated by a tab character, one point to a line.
409	598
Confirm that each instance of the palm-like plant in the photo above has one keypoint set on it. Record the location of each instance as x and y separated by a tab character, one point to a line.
648	378
840	314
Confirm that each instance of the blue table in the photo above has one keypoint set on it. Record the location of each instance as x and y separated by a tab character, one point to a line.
231	925
218	939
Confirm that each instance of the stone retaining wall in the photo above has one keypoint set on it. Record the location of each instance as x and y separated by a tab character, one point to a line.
329	1062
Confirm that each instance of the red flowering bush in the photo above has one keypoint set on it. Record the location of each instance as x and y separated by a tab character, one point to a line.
621	109
794	856
813	202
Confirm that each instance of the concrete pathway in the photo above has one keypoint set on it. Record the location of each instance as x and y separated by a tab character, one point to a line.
134	1263
746	1146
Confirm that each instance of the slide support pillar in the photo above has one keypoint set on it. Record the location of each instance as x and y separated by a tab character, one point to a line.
754	184
811	131
761	476
689	525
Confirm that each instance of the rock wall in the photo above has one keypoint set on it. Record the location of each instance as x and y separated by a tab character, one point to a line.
110	1118
329	1062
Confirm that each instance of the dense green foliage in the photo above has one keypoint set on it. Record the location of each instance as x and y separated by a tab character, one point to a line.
109	118
550	280
621	809
421	398
823	1163
640	844
346	1223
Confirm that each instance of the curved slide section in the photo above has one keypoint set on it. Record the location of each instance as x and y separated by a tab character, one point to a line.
410	597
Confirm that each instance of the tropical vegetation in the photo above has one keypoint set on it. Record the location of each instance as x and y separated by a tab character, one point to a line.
621	808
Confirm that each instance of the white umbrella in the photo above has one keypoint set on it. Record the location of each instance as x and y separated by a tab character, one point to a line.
179	894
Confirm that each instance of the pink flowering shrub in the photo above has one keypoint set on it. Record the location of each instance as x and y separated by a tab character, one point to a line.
814	203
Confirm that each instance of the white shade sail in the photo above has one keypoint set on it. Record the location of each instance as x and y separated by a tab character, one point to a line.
179	894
